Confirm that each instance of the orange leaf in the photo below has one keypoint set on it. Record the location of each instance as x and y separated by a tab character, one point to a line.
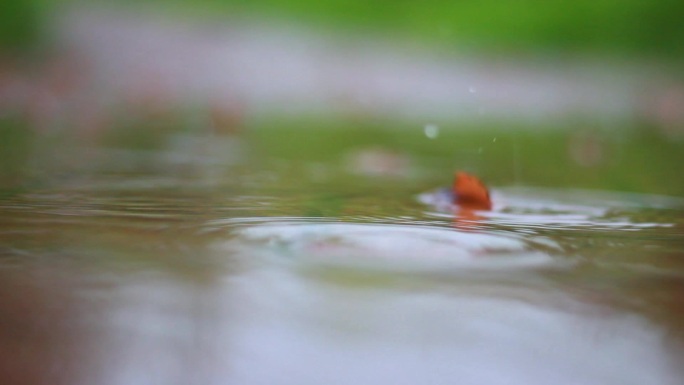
470	192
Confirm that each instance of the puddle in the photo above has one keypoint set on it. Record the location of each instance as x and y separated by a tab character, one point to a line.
256	270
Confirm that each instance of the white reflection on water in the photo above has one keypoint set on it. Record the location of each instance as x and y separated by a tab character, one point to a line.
409	338
291	332
286	324
386	246
275	325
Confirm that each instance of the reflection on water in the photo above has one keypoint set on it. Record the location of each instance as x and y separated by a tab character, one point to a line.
254	271
410	247
466	329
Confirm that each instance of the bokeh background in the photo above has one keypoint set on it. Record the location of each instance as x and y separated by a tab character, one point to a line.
579	94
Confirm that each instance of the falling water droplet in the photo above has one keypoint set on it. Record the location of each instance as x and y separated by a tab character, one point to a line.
494	140
472	89
479	150
431	131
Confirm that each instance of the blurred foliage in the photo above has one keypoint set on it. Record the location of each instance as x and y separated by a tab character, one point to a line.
598	26
21	24
570	155
603	26
578	154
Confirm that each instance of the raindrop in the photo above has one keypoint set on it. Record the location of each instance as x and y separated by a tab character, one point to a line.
494	140
472	89
479	150
431	131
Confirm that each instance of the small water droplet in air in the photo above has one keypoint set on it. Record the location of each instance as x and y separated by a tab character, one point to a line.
431	131
472	89
479	150
494	140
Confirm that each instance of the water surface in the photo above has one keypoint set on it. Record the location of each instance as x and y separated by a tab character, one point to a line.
203	260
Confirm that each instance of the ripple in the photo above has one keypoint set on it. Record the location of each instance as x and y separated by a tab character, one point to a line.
566	209
387	246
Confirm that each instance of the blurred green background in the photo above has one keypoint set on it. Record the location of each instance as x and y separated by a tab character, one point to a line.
600	26
628	27
21	25
636	156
